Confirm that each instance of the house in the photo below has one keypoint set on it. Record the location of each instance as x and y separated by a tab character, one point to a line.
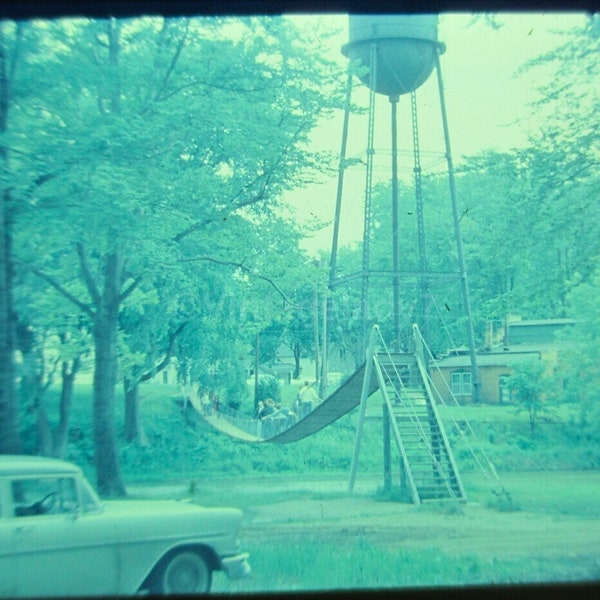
516	340
451	375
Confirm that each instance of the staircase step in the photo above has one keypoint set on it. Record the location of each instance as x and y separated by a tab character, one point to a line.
423	443
431	490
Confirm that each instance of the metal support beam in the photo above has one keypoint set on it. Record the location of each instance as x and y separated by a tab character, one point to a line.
458	235
423	300
368	193
395	224
364	396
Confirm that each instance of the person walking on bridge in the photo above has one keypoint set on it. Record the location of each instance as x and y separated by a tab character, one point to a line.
307	399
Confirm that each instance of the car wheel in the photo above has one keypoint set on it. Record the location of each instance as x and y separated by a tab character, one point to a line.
185	573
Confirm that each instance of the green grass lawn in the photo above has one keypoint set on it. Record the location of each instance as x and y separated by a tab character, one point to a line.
182	448
360	564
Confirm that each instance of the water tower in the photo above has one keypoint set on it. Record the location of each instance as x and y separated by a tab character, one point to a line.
394	55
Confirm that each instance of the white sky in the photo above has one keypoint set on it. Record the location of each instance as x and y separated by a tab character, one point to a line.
486	102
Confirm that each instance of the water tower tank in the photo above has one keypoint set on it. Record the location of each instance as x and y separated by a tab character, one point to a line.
406	47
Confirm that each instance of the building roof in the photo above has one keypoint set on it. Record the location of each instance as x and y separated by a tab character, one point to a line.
538	322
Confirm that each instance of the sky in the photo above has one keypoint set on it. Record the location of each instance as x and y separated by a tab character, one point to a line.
487	103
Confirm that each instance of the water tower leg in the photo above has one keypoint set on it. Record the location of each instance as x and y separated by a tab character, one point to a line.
340	186
458	237
422	317
395	219
368	192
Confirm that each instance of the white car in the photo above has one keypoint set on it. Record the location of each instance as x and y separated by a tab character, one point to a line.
58	539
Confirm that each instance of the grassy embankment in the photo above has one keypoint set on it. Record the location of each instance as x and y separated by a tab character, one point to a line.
181	446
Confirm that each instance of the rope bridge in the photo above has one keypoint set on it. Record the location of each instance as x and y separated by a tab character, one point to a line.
280	428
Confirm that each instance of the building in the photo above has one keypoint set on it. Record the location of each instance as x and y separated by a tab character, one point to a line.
452	376
516	341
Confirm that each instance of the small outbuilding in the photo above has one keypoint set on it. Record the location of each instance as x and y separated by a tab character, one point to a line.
451	375
517	340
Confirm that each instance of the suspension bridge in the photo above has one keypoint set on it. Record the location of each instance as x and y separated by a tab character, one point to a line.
410	402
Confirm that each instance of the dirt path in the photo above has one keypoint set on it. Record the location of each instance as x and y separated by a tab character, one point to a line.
470	529
324	512
476	530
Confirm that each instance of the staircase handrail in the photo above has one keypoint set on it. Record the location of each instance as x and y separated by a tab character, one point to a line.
432	404
460	430
399	442
417	422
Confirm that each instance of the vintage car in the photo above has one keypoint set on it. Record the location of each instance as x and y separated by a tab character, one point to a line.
58	539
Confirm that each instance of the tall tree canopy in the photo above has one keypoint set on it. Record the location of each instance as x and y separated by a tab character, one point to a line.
143	143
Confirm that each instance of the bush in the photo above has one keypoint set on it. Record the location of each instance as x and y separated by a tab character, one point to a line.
268	387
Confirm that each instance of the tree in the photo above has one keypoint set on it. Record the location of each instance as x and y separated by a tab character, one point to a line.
164	137
299	329
141	363
531	387
11	55
580	354
53	345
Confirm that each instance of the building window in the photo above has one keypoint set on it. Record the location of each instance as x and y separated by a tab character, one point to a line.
461	383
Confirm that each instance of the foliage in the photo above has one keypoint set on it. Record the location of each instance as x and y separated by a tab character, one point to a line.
268	387
580	355
181	445
167	147
531	389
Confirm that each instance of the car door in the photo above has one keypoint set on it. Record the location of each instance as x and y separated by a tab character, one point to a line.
7	554
59	548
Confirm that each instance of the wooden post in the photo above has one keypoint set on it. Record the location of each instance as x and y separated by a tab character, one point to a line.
387	452
364	396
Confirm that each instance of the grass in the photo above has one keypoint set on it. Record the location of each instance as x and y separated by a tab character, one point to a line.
181	446
309	560
573	493
183	449
359	564
304	562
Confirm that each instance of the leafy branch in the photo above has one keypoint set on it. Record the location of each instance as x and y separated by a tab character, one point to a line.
245	269
86	308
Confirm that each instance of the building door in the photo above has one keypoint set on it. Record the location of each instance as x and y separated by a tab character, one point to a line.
504	396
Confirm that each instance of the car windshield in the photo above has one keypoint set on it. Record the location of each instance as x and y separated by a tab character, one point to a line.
338	270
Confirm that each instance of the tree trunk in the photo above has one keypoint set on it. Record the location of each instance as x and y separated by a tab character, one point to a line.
61	433
108	472
31	387
297	353
44	431
10	441
532	420
133	425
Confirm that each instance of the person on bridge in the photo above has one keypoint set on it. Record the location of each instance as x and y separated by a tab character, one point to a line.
307	399
260	409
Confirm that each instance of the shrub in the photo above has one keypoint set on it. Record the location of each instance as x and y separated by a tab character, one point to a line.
268	387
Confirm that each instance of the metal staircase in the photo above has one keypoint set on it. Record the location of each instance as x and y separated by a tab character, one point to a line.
419	434
427	462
